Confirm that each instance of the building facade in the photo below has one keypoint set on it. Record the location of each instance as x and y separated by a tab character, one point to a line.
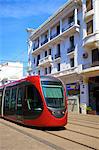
10	71
67	46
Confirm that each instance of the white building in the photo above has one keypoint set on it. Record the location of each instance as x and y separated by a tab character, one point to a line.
10	71
67	46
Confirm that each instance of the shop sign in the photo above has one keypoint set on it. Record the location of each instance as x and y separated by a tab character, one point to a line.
72	86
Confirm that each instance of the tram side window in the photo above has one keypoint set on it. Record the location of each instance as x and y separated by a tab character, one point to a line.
13	99
7	100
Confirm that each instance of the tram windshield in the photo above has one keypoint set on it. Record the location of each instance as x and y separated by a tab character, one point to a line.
53	93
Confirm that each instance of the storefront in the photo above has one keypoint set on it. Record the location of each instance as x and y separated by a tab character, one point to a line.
73	91
94	93
89	89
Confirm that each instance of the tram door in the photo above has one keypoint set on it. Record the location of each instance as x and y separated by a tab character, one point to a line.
19	110
32	104
0	102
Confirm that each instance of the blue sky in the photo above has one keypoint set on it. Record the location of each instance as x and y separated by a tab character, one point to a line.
15	17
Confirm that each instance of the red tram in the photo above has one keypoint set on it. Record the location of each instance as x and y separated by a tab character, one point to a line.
35	101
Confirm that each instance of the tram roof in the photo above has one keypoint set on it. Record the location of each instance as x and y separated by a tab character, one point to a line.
43	78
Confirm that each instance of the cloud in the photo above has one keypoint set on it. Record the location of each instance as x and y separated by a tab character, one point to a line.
24	8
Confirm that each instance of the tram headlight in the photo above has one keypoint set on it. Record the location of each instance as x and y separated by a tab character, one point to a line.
51	111
63	112
58	112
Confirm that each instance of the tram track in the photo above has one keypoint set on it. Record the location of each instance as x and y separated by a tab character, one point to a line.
53	134
72	141
83	120
79	124
82	133
35	137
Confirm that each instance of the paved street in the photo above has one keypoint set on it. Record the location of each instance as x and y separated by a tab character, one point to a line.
81	133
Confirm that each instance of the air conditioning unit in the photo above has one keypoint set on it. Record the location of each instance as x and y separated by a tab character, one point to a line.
85	55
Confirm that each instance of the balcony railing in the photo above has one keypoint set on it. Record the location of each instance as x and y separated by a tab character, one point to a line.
29	69
46	60
69	25
45	41
71	49
54	35
89	65
57	56
95	63
35	47
68	71
86	66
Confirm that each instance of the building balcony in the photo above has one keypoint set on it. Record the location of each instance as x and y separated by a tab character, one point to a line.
54	35
95	63
67	27
70	25
90	69
71	49
57	55
71	29
57	38
89	14
45	41
90	65
86	66
91	41
69	71
29	69
35	47
45	61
